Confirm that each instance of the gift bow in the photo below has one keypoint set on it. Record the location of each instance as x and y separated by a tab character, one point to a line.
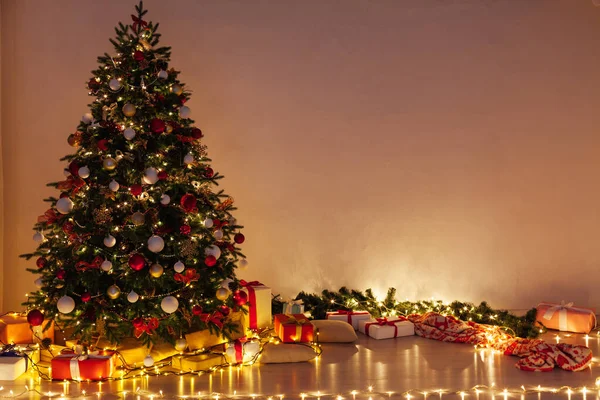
141	326
95	264
383	322
298	302
189	276
137	22
245	284
216	318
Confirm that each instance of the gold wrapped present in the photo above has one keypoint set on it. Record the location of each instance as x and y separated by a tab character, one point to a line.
204	339
200	362
14	328
47	354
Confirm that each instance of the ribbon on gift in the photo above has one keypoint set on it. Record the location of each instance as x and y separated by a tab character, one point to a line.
76	358
253	314
563	309
238	346
349	314
299	322
384	322
95	264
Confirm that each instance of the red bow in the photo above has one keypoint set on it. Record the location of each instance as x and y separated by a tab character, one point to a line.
216	318
72	183
189	276
344	312
137	22
95	264
243	283
185	139
49	216
144	326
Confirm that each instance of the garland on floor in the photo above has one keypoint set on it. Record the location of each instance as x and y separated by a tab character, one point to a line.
346	299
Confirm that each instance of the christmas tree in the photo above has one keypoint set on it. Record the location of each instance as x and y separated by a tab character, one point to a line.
139	242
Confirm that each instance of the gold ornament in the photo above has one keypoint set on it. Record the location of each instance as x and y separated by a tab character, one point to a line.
102	216
113	292
129	110
138	218
176	89
156	270
75	140
109	163
223	294
168	128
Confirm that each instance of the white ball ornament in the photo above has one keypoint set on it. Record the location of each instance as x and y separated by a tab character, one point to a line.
185	112
243	264
87	118
188	159
84	172
110	241
113	185
38	237
181	345
208	223
64	205
169	304
106	266
226	282
165	199
129	133
213	250
65	304
38	283
114	84
150	176
156	244
179	267
218	234
148	361
132	297
162	74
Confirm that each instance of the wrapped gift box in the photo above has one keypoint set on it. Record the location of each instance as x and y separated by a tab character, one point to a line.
131	351
93	366
351	317
240	352
294	328
258	306
11	367
566	318
293	307
200	362
14	328
383	328
204	339
47	354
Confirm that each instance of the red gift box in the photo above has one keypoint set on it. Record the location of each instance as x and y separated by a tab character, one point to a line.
94	366
293	328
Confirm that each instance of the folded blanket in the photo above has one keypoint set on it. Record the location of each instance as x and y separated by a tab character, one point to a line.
536	354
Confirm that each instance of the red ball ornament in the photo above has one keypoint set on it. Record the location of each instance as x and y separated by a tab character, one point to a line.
85	297
185	229
93	85
102	144
225	310
210	261
157	125
209	173
137	262
138	56
162	175
188	202
239	238
197	310
136	190
61	274
197	133
240	297
74	168
41	262
35	317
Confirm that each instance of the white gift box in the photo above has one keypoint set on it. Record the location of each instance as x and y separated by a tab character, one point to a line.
238	352
258	306
386	329
12	367
351	317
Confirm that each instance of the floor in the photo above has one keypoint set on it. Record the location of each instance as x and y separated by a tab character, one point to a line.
391	367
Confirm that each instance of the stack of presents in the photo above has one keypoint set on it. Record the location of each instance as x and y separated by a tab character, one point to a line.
292	339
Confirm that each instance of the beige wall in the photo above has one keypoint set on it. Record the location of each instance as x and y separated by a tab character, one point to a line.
448	148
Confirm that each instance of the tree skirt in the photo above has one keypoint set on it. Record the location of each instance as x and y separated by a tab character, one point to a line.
536	354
